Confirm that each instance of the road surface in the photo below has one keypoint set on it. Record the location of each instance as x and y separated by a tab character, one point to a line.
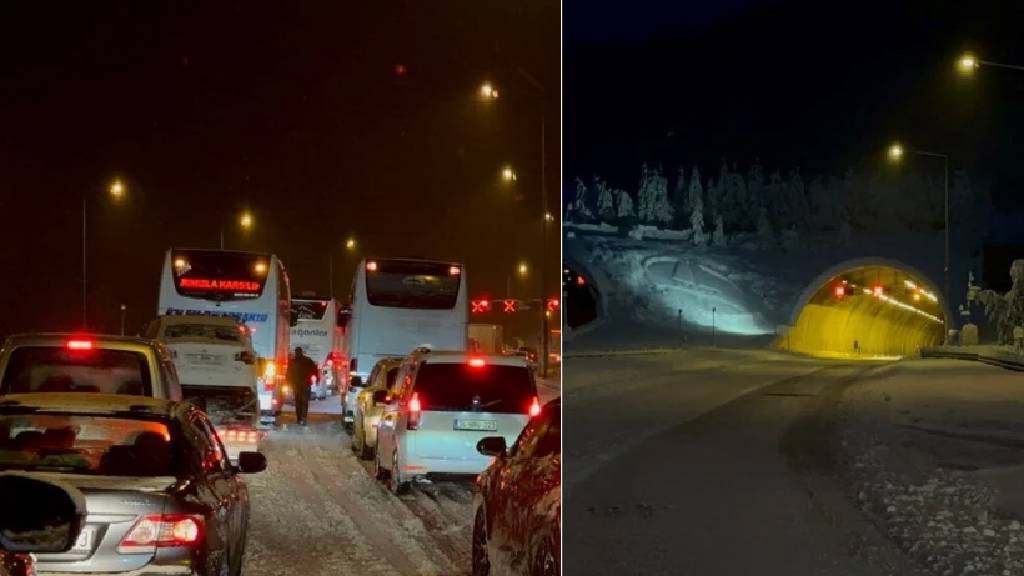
708	461
317	510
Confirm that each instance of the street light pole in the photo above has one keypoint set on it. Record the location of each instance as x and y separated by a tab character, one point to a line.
123	310
543	245
85	203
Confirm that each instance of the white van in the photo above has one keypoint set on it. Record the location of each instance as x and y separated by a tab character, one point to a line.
216	366
447	402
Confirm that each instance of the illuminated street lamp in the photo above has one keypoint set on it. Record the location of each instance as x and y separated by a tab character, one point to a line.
488	91
350	244
549	217
523	269
967	63
246	220
117	192
896	153
508	174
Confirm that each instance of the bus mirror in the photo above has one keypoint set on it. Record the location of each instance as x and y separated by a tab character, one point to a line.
246	356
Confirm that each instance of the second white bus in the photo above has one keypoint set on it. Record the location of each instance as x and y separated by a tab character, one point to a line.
398	305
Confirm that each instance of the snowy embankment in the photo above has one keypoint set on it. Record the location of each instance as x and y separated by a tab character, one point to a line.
935	452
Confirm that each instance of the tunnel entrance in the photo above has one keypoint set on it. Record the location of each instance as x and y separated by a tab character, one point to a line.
580	298
867	311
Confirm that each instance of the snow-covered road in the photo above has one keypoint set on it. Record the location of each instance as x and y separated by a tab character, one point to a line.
317	510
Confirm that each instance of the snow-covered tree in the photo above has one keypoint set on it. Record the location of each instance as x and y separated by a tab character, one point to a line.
645	196
579	210
680	201
718	236
625	206
755	195
696	202
662	212
796	201
765	236
605	201
1014	303
713	198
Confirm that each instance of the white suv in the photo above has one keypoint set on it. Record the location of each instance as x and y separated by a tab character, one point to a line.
446	402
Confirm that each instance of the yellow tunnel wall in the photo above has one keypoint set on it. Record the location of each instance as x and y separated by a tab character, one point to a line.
880	330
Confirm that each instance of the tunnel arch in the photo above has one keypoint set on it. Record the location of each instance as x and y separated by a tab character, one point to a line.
881	326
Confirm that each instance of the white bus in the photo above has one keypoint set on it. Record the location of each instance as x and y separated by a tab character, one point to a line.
251	287
319	331
398	305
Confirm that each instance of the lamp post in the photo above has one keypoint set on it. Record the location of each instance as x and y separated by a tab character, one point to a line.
896	152
350	247
488	92
968	63
116	190
246	221
123	310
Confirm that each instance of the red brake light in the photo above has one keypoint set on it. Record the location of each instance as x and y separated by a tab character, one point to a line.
580	280
840	291
79	344
330	362
477	362
535	407
415	411
162	530
371	266
878	291
454	270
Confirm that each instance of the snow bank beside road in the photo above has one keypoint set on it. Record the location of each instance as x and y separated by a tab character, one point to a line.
922	440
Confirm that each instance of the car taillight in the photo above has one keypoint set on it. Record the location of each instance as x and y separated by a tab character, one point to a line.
162	530
238	435
415	412
535	407
477	362
270	369
79	344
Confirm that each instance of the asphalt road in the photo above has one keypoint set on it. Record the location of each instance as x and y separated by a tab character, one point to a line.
708	461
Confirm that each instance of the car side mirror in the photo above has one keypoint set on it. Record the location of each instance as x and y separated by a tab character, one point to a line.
251	462
380	397
246	356
492	446
39	517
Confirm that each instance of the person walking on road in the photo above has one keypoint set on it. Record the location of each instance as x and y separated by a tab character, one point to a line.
300	370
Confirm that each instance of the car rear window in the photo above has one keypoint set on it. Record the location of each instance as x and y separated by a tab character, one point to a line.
224	404
202	332
86	445
58	369
488	388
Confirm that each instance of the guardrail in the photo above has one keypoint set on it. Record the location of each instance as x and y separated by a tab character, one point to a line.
999	361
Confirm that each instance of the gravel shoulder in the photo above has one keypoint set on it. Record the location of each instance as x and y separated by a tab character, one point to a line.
933	452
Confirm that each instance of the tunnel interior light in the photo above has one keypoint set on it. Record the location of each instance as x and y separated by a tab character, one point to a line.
878	291
839	291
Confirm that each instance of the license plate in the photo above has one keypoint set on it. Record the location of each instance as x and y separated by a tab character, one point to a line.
84	541
208	359
478	425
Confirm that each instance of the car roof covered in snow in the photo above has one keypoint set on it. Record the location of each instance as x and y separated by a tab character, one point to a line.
87	403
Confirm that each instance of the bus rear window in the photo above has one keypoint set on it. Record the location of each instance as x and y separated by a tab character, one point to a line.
421	285
309	309
204	332
57	369
215	275
490	388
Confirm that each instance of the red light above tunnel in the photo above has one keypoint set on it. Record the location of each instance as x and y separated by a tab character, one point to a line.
839	291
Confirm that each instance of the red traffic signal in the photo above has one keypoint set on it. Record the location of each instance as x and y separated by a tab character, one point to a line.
480	306
553	304
510	306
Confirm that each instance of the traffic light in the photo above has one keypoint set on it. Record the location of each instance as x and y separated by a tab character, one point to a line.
480	306
511	306
553	304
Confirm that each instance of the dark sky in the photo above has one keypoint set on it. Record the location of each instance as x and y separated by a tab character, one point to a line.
823	86
293	110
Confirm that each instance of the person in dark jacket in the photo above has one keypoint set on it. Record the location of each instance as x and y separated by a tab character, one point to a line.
300	370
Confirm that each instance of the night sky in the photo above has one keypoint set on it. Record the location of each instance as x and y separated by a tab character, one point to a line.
296	112
820	86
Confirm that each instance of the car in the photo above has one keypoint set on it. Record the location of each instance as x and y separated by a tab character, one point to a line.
446	402
350	390
161	494
215	362
32	507
72	362
517	527
370	405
